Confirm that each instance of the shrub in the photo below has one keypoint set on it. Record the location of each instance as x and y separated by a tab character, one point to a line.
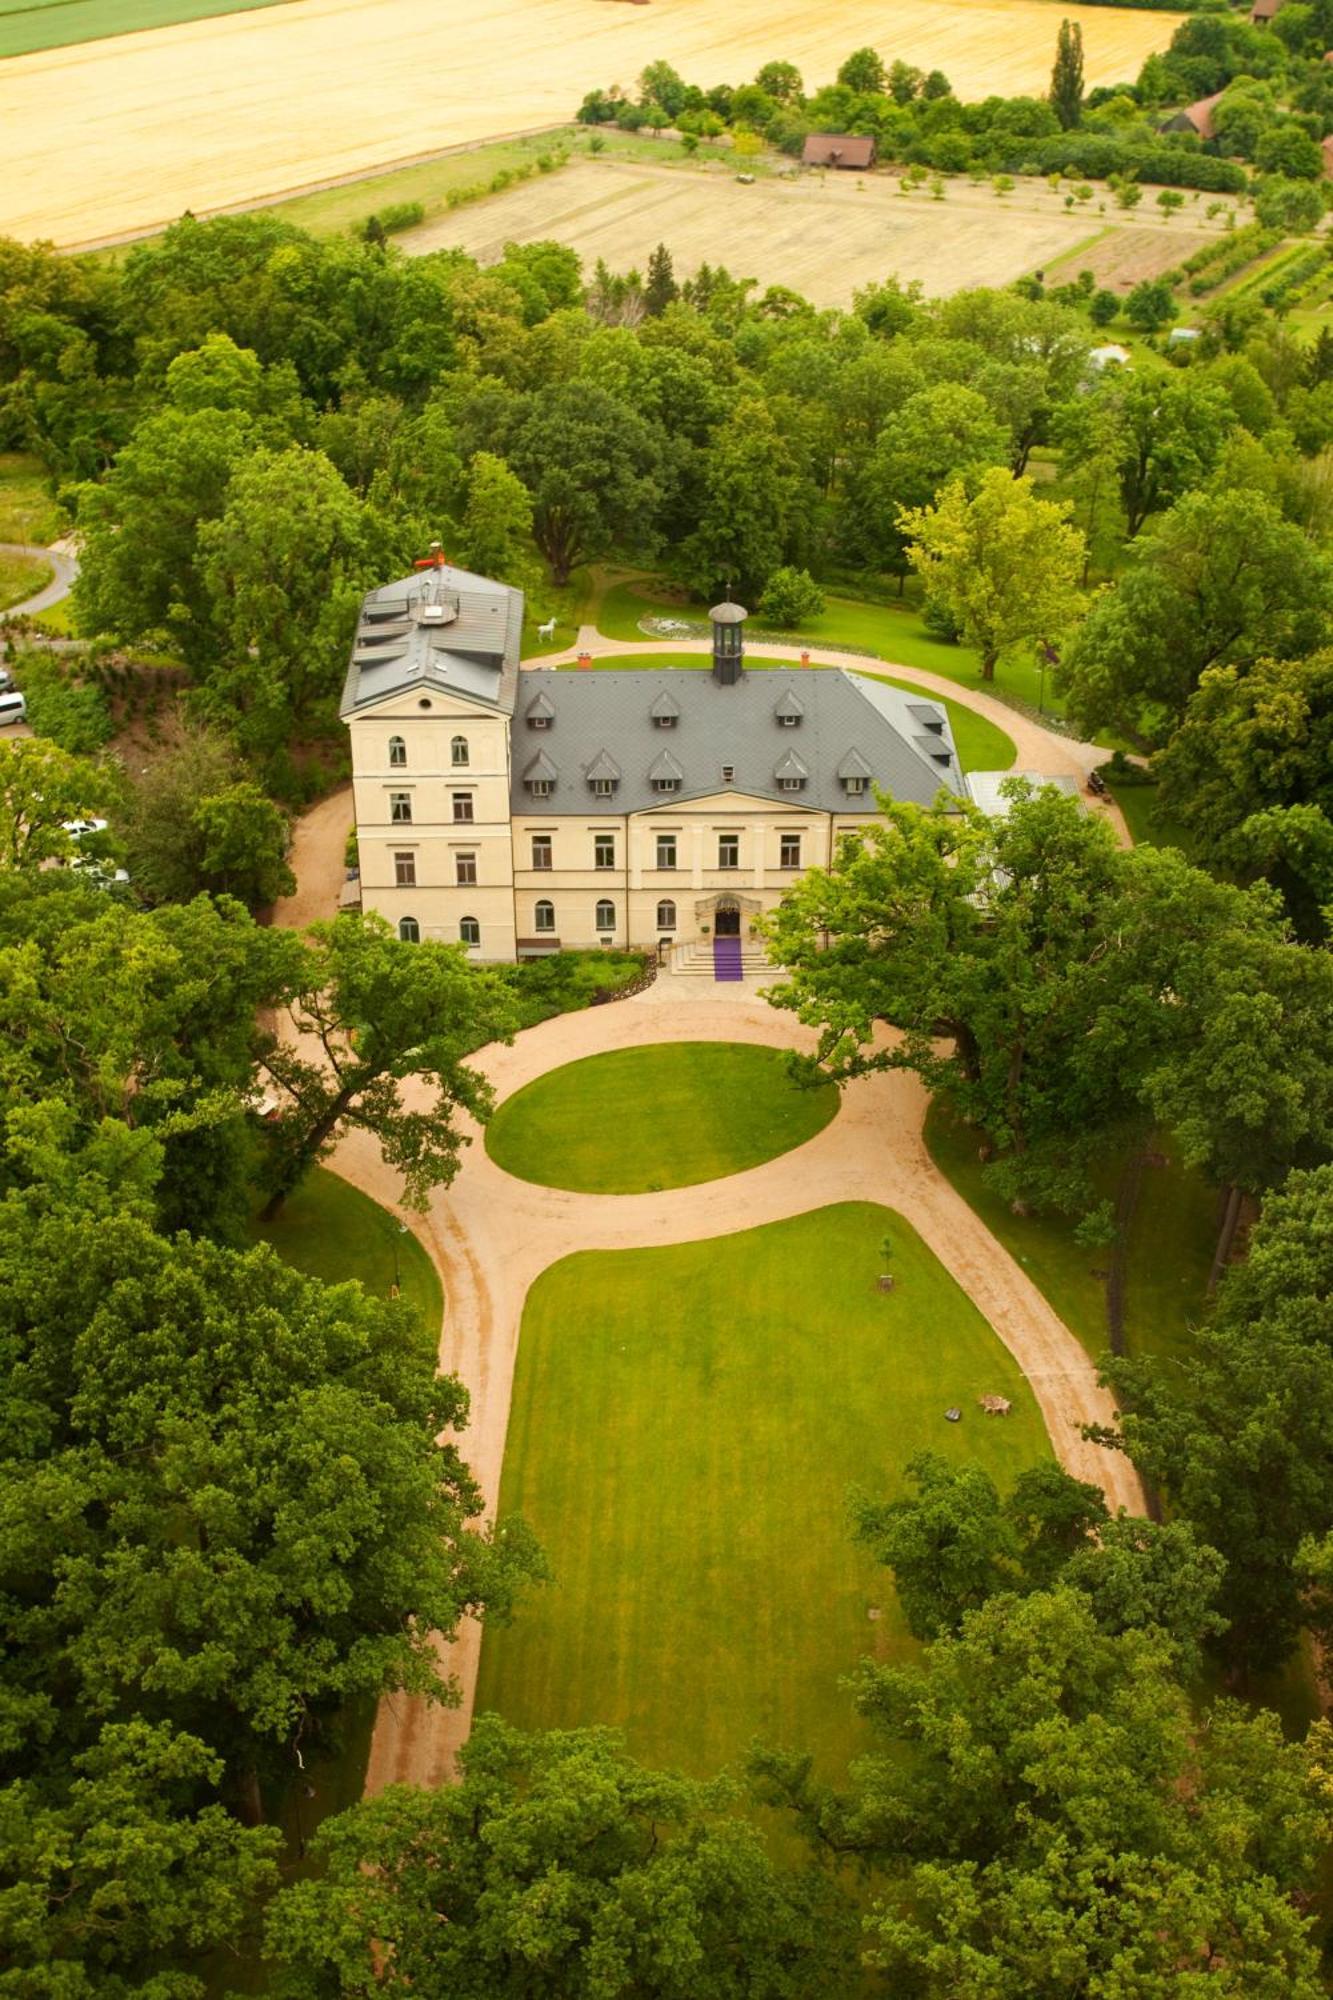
75	714
791	597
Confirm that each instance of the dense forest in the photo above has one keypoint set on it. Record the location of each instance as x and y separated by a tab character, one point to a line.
236	1499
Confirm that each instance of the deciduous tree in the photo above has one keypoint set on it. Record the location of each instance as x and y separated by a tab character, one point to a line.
196	825
43	791
1003	564
556	1866
372	1013
1221	579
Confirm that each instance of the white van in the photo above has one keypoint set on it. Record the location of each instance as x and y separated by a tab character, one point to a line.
13	708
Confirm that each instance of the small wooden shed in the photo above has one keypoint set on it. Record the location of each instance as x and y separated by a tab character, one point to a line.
838	149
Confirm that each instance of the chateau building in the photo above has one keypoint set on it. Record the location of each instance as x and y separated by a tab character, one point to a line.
525	812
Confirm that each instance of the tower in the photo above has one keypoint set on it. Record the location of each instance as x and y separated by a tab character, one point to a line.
728	642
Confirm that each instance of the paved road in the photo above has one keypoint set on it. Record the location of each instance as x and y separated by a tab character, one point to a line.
63	562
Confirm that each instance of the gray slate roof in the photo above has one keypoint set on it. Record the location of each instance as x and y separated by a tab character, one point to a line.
438	627
847	722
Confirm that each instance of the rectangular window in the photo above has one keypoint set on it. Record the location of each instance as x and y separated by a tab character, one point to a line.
855	787
465	869
666	850
728	850
603	787
541	850
405	871
728	773
400	808
462	808
540	787
789	850
604	850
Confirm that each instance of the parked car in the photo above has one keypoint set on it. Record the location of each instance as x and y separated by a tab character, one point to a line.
13	708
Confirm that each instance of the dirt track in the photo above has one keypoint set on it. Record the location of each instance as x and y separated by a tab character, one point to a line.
113	136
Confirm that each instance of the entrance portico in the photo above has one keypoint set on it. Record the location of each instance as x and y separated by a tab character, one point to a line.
725	913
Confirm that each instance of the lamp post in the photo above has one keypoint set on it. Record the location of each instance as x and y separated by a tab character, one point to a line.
1048	657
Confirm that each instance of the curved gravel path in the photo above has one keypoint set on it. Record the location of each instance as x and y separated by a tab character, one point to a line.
490	1236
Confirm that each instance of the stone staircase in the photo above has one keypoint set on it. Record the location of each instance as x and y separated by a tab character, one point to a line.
695	961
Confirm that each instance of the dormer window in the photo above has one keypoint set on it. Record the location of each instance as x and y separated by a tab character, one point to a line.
539	776
854	774
665	774
539	722
665	721
603	775
791	773
789	710
540	712
789	721
665	711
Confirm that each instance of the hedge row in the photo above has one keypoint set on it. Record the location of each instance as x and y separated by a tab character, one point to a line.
1097	158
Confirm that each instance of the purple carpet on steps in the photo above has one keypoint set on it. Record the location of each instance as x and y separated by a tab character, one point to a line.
727	958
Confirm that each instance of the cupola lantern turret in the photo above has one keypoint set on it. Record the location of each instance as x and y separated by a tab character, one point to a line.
728	642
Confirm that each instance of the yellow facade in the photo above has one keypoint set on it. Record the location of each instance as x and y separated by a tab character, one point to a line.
500	883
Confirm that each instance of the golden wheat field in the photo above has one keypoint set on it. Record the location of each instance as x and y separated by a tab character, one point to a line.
117	136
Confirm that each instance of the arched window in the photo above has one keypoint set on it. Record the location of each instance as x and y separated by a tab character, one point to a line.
397	752
458	751
606	915
409	930
666	915
543	916
469	930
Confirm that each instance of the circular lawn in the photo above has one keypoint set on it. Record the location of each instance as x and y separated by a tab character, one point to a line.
665	1116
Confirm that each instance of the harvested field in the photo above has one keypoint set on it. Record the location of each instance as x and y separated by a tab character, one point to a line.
115	137
824	239
1131	252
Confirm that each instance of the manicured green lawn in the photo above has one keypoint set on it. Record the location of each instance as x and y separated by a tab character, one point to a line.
20	577
685	1427
1169	1251
665	1116
26	25
330	1230
1148	824
892	631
